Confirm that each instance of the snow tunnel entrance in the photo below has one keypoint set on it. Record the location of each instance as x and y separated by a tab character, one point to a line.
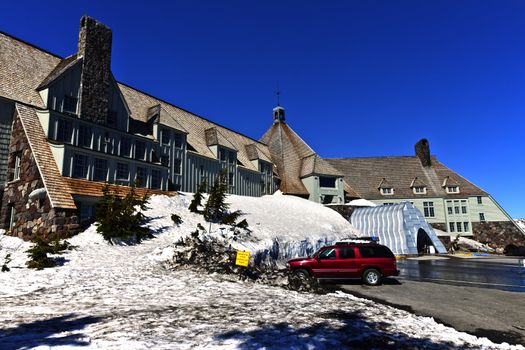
424	243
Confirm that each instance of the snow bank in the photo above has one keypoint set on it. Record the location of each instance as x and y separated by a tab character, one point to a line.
475	245
280	227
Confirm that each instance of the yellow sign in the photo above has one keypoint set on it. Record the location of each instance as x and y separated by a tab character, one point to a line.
243	258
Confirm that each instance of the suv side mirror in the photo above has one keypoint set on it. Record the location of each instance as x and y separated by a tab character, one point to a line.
318	258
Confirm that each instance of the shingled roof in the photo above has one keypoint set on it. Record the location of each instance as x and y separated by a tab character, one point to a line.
294	159
364	175
198	138
23	67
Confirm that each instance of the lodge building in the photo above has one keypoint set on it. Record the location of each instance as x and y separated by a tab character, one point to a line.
67	127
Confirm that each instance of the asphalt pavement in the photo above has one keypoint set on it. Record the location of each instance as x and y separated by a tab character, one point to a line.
481	296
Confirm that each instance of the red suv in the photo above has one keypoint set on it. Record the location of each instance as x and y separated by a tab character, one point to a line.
369	261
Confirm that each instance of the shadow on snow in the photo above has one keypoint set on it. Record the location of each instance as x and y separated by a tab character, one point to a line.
47	333
353	332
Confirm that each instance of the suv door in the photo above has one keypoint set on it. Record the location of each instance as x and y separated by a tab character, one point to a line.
327	264
347	262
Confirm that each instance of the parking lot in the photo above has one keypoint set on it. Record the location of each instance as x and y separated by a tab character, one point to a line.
483	296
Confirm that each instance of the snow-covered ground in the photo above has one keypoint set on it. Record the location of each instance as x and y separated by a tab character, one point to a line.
122	297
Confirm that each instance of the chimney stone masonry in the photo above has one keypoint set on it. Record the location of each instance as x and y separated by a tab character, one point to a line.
94	46
423	152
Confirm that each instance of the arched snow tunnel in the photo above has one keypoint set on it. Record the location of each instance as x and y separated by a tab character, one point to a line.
398	227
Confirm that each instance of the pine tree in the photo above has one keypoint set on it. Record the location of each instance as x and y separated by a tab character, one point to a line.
197	197
216	206
118	218
37	254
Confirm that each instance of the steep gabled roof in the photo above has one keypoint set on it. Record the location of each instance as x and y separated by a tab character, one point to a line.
58	193
294	159
23	67
139	103
416	182
60	69
364	175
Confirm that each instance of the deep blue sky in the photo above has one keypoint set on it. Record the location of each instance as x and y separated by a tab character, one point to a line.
358	78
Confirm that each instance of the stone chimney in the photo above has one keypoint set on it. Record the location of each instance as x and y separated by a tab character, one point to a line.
94	46
423	152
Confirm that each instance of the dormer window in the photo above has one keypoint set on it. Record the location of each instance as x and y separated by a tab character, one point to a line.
452	189
385	187
386	191
419	190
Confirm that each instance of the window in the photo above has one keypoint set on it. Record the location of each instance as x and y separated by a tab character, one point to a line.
449	210
165	137
140	150
222	155
177	166
70	104
463	209
456	209
420	190
63	131
375	252
388	203
231	157
165	160
100	172
84	136
480	200
451	226
178	140
140	176
465	227
481	217
452	189
80	166
125	147
230	179
428	208
16	168
459	227
155	179
123	171
328	254
346	253
327	182
387	191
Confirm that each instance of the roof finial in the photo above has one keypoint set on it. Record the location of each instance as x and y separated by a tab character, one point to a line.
278	93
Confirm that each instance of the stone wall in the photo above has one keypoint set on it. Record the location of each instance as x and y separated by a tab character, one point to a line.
497	233
31	217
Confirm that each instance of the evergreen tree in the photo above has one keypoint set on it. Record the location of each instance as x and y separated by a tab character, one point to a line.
118	218
197	197
216	206
37	254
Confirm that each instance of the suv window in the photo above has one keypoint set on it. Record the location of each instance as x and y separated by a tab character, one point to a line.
346	253
376	252
328	254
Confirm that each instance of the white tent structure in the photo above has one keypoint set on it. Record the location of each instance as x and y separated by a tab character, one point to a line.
401	227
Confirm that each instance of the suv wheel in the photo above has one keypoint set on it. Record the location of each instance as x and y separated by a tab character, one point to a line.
372	277
301	274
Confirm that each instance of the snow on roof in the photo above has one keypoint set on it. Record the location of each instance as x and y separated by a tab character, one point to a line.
361	203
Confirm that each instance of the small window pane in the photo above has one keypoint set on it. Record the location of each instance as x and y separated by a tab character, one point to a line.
141	176
125	147
16	169
178	140
481	217
64	131
465	226
80	166
122	171
165	136
155	179
480	200
329	182
451	226
70	104
101	170
140	150
84	136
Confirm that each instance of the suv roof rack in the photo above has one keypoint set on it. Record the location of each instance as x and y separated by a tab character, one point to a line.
372	239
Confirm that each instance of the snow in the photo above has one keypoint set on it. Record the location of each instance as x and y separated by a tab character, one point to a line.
464	241
122	297
361	203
